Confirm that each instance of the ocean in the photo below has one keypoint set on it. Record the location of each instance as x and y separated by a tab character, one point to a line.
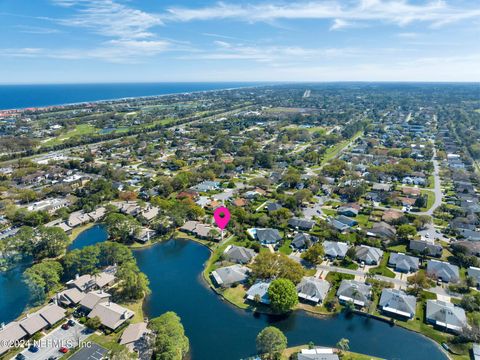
26	96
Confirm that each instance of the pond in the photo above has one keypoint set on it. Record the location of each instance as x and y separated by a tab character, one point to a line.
14	293
218	330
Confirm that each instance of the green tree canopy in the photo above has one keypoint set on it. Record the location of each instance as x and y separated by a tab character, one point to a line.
283	295
271	342
171	342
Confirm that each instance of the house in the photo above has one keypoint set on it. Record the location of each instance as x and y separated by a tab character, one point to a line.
381	187
302	241
33	323
207	186
346	220
133	334
97	214
93	298
339	225
474	272
238	254
390	216
403	263
354	291
313	290
52	313
443	271
83	283
200	230
144	235
335	250
259	291
317	354
69	297
9	335
349	211
111	315
383	230
422	247
445	315
368	255
78	218
268	236
301	224
273	206
239	202
150	213
396	302
230	275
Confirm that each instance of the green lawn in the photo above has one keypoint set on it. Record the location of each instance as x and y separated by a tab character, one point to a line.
80	130
285	248
430	199
398	248
382	269
334	150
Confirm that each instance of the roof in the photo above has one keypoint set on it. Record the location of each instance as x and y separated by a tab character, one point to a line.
238	254
351	290
313	289
335	249
9	334
82	282
303	224
368	254
443	270
445	314
268	235
52	313
397	302
302	240
403	262
70	296
133	332
420	246
272	206
104	278
93	298
260	289
474	272
111	314
33	323
230	274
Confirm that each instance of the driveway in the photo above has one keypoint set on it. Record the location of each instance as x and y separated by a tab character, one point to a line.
361	272
50	345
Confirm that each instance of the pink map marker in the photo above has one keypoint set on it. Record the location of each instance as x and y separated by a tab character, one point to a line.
222	217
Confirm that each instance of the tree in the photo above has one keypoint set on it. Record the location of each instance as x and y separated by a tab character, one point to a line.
269	265
271	342
43	278
283	295
93	323
405	231
418	282
343	344
52	243
121	227
171	342
314	254
133	283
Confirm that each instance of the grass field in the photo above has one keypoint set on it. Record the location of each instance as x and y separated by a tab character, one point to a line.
430	199
80	130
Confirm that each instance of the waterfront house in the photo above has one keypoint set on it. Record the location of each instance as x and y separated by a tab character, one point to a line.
443	271
133	334
355	292
368	255
111	315
69	297
396	302
10	334
259	291
335	249
319	353
312	289
230	275
238	254
403	263
78	218
445	315
93	298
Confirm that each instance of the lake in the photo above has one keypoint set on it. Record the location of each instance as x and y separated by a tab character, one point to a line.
218	330
90	236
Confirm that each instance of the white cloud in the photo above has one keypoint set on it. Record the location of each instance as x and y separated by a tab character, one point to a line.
399	12
109	18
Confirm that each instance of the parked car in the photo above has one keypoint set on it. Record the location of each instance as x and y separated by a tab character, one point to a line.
63	350
20	357
65	326
33	348
71	322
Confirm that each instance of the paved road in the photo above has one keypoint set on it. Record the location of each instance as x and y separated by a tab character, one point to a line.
360	272
437	187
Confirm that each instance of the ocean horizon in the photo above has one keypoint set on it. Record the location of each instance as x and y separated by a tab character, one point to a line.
42	95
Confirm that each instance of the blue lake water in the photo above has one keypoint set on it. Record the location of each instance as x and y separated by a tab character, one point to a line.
91	236
23	96
217	330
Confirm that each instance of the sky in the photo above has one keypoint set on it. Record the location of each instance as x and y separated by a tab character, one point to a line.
89	41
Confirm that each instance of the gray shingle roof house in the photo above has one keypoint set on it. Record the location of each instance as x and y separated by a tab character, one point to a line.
229	275
111	315
52	313
313	289
9	334
396	302
206	186
268	236
474	272
33	323
443	271
420	246
272	206
238	254
339	225
302	224
383	230
445	315
302	241
93	298
354	291
334	249
346	220
259	289
403	263
369	255
133	333
70	297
